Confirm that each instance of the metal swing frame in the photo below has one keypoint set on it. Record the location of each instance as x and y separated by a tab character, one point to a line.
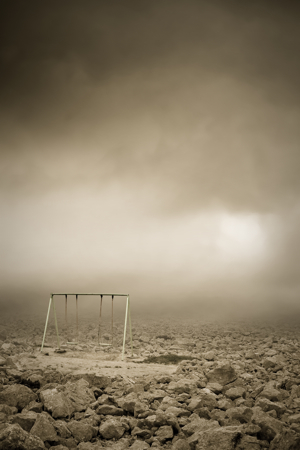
127	316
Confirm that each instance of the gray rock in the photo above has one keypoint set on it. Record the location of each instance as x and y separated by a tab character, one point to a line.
165	432
249	443
26	419
62	429
240	413
269	426
111	429
197	425
271	394
109	410
266	405
235	392
209	356
17	395
57	403
8	410
224	438
141	433
81	431
44	429
139	445
128	402
223	375
181	444
13	437
287	440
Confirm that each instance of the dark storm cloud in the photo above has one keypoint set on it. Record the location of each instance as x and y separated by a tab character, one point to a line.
220	81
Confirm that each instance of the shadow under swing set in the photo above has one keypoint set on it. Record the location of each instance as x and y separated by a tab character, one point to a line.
127	317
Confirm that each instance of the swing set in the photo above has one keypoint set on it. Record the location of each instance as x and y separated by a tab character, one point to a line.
127	316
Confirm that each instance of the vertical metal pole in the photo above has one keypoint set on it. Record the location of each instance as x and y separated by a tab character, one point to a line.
46	324
77	315
125	326
99	325
55	319
112	320
66	315
129	313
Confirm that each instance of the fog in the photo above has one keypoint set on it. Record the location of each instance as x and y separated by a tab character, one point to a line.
151	148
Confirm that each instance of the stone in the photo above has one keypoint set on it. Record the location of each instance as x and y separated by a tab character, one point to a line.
128	402
209	356
216	388
197	425
181	444
139	445
165	432
57	403
177	412
287	440
44	429
249	443
109	410
270	362
8	410
204	426
271	394
294	418
141	433
13	437
240	413
26	419
81	431
17	395
224	438
269	426
35	407
266	405
235	392
111	429
61	429
223	375
181	386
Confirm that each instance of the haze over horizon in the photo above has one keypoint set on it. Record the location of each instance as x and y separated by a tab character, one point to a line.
151	148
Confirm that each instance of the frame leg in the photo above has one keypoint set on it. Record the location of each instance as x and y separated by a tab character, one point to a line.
66	316
129	313
77	316
55	319
46	324
125	326
99	324
112	320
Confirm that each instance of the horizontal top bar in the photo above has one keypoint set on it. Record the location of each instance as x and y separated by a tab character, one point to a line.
70	293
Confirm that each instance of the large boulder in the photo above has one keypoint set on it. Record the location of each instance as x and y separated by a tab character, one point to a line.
17	395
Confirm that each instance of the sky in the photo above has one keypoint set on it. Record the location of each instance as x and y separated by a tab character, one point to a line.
151	148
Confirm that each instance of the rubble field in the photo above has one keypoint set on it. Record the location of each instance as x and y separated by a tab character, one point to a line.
189	385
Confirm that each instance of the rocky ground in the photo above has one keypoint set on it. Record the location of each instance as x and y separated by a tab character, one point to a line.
229	386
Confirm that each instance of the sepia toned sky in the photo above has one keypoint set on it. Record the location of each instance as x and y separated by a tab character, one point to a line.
151	147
